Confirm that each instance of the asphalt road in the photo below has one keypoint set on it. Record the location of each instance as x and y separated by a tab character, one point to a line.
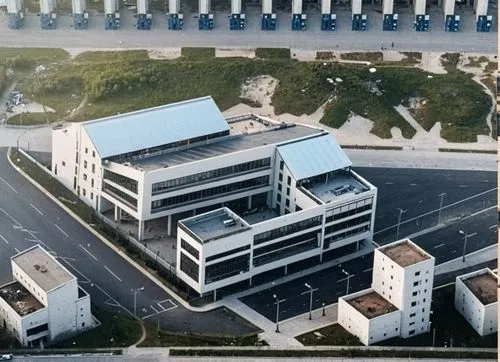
27	217
415	190
405	39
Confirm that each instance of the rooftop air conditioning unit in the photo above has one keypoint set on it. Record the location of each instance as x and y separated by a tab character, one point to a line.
229	222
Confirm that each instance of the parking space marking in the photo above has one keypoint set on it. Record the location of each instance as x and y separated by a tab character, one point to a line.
440	245
367	270
33	206
163	306
113	274
5	240
88	252
61	230
13	189
492	226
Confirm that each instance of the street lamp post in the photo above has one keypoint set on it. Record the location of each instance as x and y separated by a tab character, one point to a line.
441	196
311	290
278	301
348	277
466	236
372	71
136	291
323	310
401	212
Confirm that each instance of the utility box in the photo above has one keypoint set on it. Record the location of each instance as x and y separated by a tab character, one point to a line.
452	23
269	22
299	22
422	22
359	22
81	21
390	22
483	24
175	21
112	21
206	22
48	21
328	22
237	22
144	21
16	20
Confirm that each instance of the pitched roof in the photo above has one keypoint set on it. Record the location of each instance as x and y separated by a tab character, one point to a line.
313	156
156	126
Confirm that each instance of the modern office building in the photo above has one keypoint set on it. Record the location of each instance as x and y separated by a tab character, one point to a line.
253	194
403	276
476	299
44	303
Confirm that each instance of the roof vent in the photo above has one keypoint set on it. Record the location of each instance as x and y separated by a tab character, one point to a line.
42	269
36	266
229	222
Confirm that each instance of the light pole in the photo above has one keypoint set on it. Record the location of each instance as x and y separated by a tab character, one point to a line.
401	212
136	291
323	310
466	236
348	277
278	301
441	196
372	71
311	290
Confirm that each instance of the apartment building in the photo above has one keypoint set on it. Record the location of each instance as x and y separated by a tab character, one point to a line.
44	303
403	276
476	299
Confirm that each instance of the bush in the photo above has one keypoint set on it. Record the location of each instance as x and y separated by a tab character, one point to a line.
272	53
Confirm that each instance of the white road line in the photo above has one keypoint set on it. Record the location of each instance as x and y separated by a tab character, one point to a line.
454	251
367	270
61	230
88	252
462	185
33	206
154	309
389	183
5	240
13	189
17	251
18	225
413	184
440	245
113	274
339	293
492	226
341	280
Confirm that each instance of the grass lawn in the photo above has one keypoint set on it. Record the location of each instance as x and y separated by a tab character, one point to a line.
121	82
365	57
116	330
333	335
449	324
164	339
28	58
31	119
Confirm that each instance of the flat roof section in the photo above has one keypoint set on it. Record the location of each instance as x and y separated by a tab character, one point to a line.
484	287
214	225
404	253
337	188
42	268
259	216
227	145
372	305
20	299
248	124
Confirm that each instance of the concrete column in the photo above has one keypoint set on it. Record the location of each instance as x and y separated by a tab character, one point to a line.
388	6
267	6
356	6
140	231
481	7
249	203
235	6
326	6
296	6
419	7
169	225
204	6
194	212
448	7
250	282
116	213
215	295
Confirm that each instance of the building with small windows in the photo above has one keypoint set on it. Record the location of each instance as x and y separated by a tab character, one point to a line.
403	276
476	299
44	303
242	196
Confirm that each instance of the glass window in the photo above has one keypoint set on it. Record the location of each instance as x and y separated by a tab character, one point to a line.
190	249
227	268
289	180
281	165
189	267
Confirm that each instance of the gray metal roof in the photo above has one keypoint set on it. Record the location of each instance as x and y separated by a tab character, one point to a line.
45	271
226	146
157	126
313	156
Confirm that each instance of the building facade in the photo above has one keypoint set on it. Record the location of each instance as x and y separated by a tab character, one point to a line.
288	188
403	276
476	299
44	302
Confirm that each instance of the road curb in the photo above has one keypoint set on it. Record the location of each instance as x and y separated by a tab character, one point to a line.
110	244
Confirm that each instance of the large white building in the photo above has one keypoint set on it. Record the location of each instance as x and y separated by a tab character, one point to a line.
44	302
476	299
253	194
399	302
